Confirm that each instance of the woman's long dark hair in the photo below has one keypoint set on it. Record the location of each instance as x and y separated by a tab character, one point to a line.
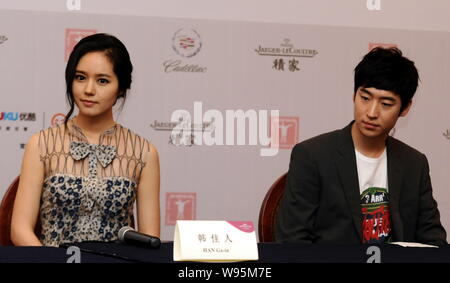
114	49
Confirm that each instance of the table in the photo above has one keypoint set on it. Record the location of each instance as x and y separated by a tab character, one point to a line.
97	252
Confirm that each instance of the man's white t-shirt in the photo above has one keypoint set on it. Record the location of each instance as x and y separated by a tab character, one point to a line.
374	197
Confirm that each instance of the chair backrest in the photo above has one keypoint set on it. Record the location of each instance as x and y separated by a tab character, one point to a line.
269	210
6	208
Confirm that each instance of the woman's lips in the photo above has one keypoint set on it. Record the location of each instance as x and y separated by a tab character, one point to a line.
88	103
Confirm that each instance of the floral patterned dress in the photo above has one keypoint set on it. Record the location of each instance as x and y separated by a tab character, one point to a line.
89	190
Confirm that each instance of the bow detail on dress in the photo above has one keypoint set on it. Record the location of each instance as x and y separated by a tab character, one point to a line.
101	153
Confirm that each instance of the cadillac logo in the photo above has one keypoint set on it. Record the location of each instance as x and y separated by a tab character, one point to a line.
186	42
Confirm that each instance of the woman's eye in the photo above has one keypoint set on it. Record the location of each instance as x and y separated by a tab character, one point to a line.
103	81
79	77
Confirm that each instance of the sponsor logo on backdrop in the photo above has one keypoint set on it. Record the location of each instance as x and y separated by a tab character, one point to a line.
73	36
57	119
180	206
73	5
287	55
3	39
212	127
288	131
17	116
8	121
186	136
373	5
13	128
186	43
23	121
18	123
383	45
447	134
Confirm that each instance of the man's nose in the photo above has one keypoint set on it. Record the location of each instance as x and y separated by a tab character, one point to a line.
373	110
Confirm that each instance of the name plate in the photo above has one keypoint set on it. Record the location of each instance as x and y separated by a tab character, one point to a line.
214	241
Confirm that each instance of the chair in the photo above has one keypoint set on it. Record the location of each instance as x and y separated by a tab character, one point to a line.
6	208
269	210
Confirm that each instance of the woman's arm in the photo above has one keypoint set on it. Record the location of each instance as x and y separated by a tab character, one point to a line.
148	211
27	202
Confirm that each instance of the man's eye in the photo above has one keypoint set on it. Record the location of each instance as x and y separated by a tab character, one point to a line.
386	104
364	97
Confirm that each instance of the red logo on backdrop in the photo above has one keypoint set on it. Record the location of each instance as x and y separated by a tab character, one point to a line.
288	132
73	36
384	45
180	206
244	226
57	119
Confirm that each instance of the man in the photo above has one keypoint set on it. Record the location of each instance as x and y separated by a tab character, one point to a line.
358	184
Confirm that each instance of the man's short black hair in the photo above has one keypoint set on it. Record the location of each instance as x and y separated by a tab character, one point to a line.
388	69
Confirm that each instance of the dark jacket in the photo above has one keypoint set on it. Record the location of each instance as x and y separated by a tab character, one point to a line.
321	201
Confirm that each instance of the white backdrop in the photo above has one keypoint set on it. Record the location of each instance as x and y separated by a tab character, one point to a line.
218	182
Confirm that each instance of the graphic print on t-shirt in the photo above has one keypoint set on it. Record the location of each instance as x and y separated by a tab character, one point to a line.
376	225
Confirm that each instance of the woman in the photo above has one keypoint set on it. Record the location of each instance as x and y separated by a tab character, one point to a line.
82	177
